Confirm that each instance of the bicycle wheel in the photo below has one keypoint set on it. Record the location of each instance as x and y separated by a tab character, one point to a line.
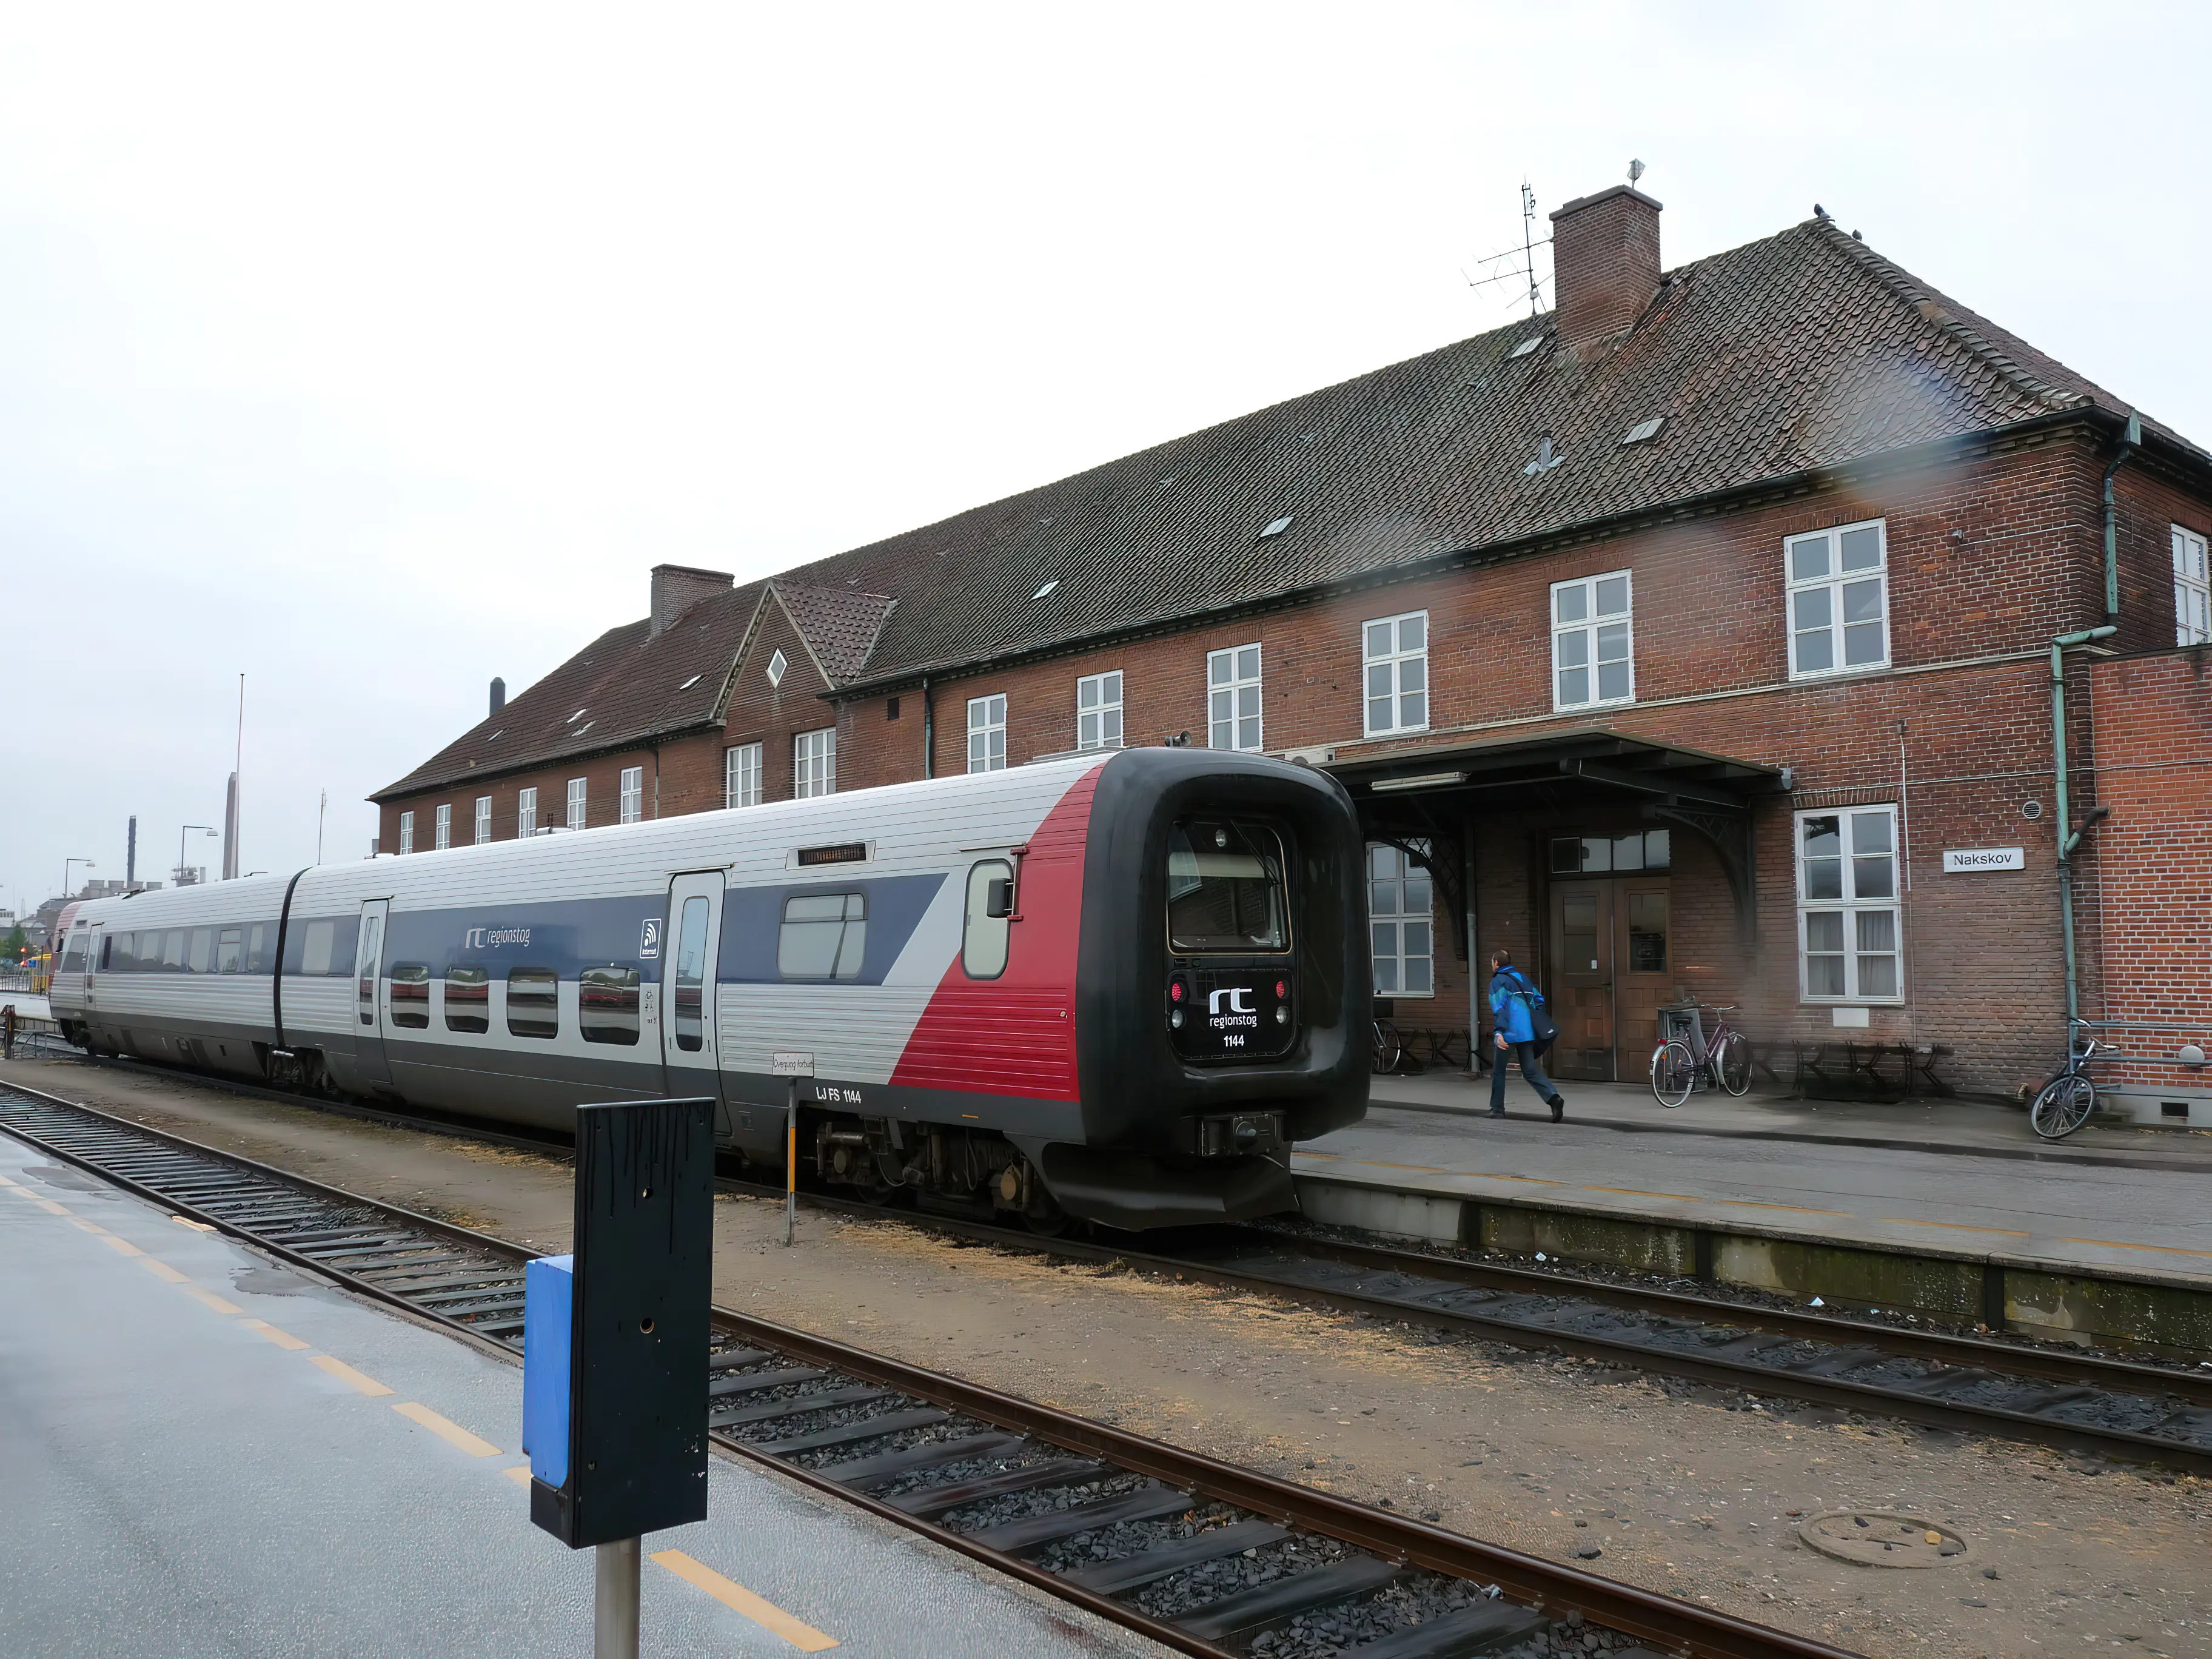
1673	1072
1388	1047
1732	1064
2063	1106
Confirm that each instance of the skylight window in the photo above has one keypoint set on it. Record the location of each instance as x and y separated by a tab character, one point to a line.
573	718
1527	346
688	684
497	735
1277	526
1644	431
585	727
777	665
1046	592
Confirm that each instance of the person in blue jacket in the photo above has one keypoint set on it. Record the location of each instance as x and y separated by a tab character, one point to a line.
1511	999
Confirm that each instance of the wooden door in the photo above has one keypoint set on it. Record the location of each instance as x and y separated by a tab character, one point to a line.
1582	948
1643	947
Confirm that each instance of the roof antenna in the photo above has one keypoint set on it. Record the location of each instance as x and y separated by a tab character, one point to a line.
1528	245
1635	171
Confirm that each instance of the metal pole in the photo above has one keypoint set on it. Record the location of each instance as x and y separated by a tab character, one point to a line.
791	1162
2066	838
614	1600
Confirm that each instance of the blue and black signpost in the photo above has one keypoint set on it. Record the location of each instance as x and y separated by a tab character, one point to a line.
615	1343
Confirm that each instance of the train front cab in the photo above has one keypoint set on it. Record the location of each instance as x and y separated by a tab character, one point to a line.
1222	987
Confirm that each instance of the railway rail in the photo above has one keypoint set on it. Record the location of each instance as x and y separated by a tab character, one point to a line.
2084	1404
1201	1556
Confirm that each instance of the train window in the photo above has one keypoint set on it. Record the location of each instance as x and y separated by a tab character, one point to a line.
173	950
226	950
1224	888
468	1000
824	936
201	948
256	949
411	995
990	903
124	954
689	1011
533	1002
606	1003
315	956
364	972
73	955
107	953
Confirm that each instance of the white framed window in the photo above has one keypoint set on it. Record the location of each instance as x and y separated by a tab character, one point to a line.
1400	923
814	763
1849	933
986	733
1838	598
1593	642
1396	653
741	775
2193	589
483	819
1232	698
632	793
444	821
1098	711
406	832
526	811
576	803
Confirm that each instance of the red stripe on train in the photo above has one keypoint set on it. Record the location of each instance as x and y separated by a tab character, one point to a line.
1015	1035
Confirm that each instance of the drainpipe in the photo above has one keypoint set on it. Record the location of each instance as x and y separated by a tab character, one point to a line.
928	730
2069	837
2129	442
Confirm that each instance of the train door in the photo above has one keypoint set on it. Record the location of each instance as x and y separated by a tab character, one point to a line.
1582	980
94	940
689	953
369	1012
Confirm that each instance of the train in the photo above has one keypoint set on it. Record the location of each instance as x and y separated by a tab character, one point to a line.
1114	988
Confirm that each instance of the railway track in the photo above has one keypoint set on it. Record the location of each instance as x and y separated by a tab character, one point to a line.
2084	1404
1201	1556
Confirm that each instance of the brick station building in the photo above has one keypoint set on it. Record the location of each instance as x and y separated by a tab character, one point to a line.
1692	640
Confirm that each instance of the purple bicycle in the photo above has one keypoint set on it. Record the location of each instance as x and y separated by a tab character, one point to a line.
1678	1068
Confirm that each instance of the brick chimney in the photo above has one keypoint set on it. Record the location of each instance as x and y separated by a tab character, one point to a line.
677	587
1605	263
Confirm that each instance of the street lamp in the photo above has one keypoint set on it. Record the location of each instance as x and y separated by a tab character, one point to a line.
181	834
87	864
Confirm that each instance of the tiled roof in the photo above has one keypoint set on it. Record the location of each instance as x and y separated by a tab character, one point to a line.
621	689
1803	350
840	623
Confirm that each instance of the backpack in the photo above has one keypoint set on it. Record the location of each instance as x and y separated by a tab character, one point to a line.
1543	1031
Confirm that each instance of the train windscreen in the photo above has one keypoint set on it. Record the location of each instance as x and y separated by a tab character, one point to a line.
1224	889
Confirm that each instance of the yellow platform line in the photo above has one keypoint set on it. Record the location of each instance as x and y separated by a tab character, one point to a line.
4	1182
1794	1209
1418	1168
447	1430
212	1300
345	1373
1638	1192
519	1473
268	1333
730	1594
50	1206
161	1269
78	1221
1956	1226
2114	1245
123	1246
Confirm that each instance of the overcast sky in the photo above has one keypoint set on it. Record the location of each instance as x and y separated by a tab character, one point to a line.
374	353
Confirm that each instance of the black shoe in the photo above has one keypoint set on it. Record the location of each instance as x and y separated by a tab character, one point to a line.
1559	1107
1498	1113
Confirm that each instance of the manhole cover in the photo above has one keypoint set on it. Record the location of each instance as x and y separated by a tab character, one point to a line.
1877	1538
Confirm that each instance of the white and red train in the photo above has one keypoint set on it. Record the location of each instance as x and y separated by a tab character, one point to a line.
1115	986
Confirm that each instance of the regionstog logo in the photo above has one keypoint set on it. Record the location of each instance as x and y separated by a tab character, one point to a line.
491	938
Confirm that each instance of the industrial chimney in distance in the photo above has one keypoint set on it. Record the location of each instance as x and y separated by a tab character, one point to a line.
498	694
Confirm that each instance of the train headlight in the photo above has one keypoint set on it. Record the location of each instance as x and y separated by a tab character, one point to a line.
1282	1016
1174	992
1175	1019
1282	990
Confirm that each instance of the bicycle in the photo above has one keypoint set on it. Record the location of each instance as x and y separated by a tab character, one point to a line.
1677	1069
2065	1103
1389	1048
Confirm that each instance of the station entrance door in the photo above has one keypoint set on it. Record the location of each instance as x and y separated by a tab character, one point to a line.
1609	973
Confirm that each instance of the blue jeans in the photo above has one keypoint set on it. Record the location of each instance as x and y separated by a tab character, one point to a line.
1532	1068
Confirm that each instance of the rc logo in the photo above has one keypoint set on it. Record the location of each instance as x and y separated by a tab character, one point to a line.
1228	1001
648	938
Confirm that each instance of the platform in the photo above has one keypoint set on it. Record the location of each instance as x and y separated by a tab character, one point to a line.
209	1454
1946	1178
